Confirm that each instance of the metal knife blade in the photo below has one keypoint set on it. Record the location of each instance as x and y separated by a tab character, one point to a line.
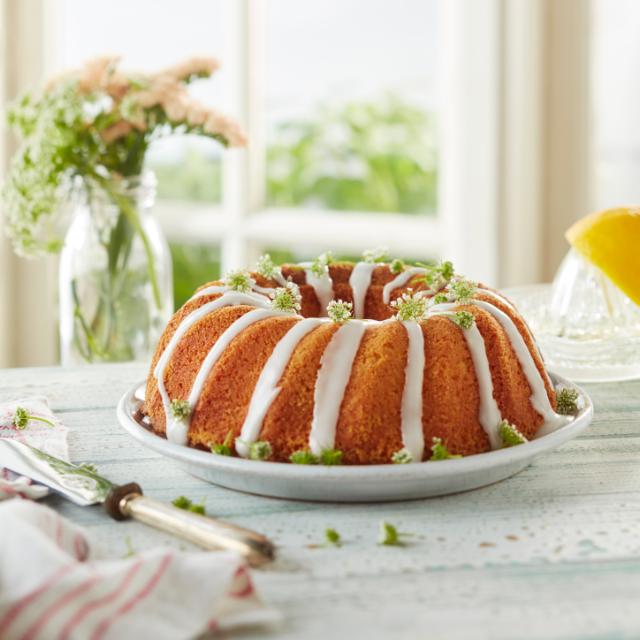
83	486
79	483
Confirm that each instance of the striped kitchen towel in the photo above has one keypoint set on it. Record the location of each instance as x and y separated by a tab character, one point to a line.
50	589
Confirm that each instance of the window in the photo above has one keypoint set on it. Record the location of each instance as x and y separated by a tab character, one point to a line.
343	102
437	128
615	95
357	128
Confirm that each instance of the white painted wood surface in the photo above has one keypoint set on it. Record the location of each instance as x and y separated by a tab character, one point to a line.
552	553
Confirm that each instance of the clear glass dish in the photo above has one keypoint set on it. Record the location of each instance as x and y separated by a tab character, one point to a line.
587	329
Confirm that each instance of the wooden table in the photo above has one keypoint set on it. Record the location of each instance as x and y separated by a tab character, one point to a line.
553	552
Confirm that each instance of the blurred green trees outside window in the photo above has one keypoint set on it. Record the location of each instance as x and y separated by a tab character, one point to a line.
376	156
361	156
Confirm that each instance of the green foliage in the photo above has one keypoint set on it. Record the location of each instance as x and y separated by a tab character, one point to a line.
402	456
462	290
331	457
193	265
21	419
260	450
66	133
182	502
410	307
332	537
390	536
339	311
567	400
224	448
510	435
366	156
287	299
439	451
180	409
303	456
464	319
198	177
239	280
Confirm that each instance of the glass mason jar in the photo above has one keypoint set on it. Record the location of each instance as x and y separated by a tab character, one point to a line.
115	277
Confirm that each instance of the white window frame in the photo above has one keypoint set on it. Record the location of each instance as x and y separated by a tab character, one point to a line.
515	152
243	225
468	157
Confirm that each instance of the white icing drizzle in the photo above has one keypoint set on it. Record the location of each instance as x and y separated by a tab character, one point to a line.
333	376
496	296
539	397
399	281
233	330
208	291
411	412
266	389
323	286
279	278
263	292
177	429
359	282
490	416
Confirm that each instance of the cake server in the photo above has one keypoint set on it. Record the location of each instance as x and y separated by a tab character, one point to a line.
84	486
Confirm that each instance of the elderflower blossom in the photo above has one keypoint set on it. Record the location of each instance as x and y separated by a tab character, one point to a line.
266	267
110	116
410	306
239	280
510	435
320	266
464	319
287	298
339	311
379	254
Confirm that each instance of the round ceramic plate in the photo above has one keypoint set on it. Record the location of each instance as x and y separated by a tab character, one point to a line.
365	483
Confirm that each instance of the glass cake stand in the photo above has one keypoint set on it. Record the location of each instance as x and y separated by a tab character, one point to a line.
587	329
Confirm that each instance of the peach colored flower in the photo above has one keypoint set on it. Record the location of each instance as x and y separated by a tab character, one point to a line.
196	113
176	107
146	98
96	73
196	66
220	124
115	131
117	85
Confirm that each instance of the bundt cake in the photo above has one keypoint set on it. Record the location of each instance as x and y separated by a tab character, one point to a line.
334	362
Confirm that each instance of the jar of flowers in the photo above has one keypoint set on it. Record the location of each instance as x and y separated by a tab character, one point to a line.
77	185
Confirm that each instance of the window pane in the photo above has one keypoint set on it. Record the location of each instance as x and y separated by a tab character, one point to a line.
193	265
352	103
150	35
616	65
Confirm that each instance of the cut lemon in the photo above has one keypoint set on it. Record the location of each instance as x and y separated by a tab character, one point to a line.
610	240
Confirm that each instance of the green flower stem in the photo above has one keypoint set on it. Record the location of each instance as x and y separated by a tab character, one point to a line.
130	212
39	419
92	345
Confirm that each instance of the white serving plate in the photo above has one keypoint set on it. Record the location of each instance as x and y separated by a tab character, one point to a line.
363	483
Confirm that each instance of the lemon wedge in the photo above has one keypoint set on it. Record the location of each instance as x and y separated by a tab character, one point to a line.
610	240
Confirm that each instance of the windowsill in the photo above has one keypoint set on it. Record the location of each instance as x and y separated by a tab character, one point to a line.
345	231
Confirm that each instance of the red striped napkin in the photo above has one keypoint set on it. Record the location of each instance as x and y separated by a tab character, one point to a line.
50	589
